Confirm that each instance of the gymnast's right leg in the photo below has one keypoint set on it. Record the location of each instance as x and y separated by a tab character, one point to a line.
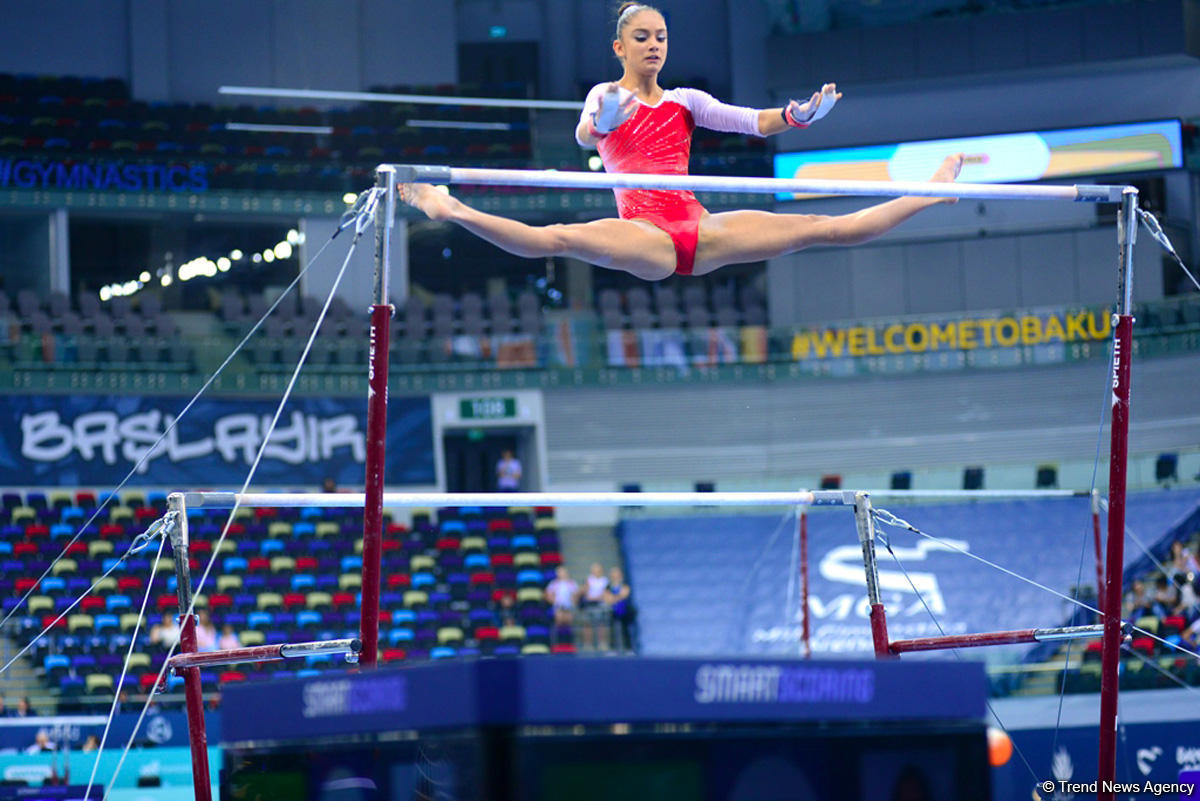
633	246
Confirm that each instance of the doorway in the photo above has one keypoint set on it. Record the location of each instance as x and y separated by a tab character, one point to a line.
471	455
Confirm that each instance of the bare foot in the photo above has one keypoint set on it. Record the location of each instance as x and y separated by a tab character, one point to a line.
437	204
948	172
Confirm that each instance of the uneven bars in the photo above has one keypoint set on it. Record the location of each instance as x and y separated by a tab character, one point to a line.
555	179
226	500
1058	634
265	653
383	97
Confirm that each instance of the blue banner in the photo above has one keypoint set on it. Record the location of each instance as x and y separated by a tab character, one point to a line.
103	174
95	440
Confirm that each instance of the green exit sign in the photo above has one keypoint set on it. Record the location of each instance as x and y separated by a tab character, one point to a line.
487	408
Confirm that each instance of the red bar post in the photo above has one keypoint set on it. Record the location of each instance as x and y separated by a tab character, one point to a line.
804	613
194	698
1110	655
377	397
1099	549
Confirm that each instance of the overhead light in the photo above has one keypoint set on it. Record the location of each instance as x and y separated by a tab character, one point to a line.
236	254
268	256
166	279
144	277
293	236
256	258
464	126
349	198
223	264
595	163
283	250
105	294
260	128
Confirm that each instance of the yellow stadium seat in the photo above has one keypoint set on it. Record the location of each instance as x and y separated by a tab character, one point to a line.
416	598
473	544
270	600
252	637
449	634
105	584
97	547
226	583
534	648
282	563
318	600
349	581
280	528
98	683
139	661
527	559
527	595
129	620
513	633
64	566
326	528
22	515
120	514
80	622
40	603
421	562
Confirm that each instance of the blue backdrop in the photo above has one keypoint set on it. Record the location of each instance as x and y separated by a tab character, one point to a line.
94	440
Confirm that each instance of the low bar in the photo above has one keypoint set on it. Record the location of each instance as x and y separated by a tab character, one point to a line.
226	500
995	638
265	653
555	179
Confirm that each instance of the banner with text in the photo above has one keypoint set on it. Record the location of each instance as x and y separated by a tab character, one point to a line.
94	440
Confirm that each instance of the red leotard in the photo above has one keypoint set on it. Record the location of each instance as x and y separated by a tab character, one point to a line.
658	140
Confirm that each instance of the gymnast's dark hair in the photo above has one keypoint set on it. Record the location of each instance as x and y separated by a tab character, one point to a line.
626	12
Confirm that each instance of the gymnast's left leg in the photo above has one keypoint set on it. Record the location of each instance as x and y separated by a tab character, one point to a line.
734	237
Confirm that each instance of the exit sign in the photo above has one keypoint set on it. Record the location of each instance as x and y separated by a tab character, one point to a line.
487	408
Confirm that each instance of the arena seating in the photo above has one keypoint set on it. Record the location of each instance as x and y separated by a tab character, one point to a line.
696	311
456	583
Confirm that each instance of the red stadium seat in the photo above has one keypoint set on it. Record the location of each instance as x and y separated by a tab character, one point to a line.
147	680
391	545
37	530
146	514
294	600
128	583
343	599
48	622
502	560
166	602
231	676
90	604
487	633
447	544
551	558
112	530
500	524
77	549
562	648
24	549
220	601
306	563
399	581
265	512
396	528
258	564
25	584
393	655
483	578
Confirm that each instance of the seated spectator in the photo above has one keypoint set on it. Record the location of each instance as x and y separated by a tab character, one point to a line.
1182	561
41	742
91	743
1189	596
24	709
1166	597
593	610
1191	636
206	633
165	633
621	608
1138	602
508	607
562	594
228	639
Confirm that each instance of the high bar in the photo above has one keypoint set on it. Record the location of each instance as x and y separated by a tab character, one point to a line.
556	179
226	500
381	97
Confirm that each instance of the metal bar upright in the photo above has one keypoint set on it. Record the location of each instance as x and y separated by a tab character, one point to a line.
193	693
804	613
1096	541
865	523
377	397
1114	561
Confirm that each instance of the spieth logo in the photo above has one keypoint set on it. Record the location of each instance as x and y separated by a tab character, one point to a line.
767	684
845	564
1146	757
323	699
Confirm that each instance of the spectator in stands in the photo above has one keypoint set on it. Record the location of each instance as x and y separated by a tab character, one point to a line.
562	594
329	485
206	633
24	709
508	473
91	743
1189	598
507	601
1138	602
228	639
41	743
1183	561
1191	636
593	610
165	633
620	606
1166	597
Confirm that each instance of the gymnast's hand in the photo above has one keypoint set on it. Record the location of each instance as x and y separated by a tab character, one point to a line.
612	112
801	115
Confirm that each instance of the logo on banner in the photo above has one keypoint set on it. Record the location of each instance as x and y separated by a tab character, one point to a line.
107	436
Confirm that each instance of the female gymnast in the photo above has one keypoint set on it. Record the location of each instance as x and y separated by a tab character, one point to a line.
639	127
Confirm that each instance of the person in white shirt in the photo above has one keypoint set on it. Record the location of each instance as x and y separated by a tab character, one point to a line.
595	612
563	596
508	473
